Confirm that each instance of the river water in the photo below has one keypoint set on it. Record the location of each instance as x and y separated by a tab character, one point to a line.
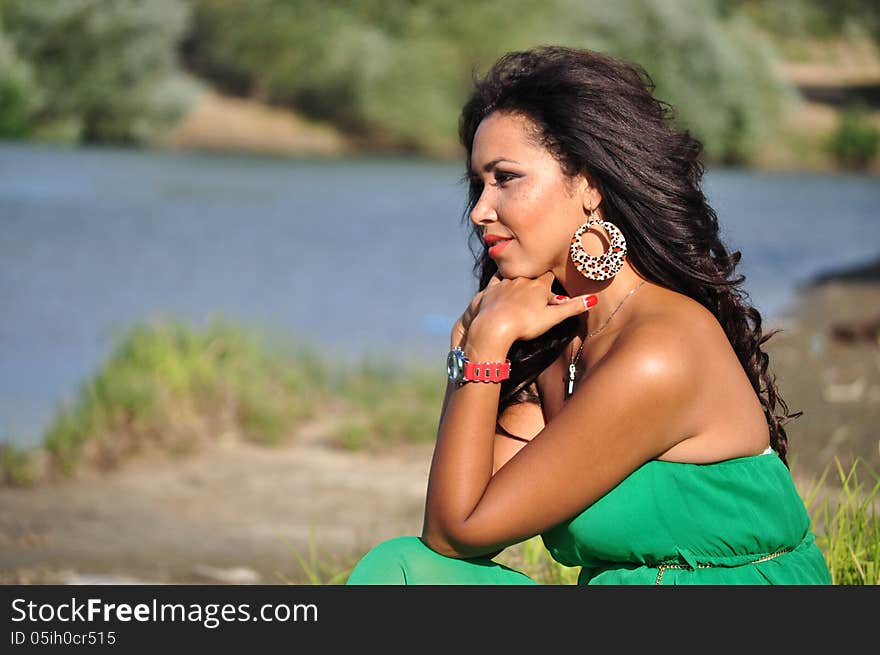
357	255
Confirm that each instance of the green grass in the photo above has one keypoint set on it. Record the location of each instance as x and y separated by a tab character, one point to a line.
533	559
319	568
16	466
847	525
171	385
385	406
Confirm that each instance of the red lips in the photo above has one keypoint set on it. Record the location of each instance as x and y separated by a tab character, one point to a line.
495	250
492	239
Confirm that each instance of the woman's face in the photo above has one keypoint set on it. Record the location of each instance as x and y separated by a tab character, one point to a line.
525	198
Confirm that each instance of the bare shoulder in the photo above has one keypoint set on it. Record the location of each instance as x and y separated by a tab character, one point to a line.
667	338
667	353
671	328
633	403
676	341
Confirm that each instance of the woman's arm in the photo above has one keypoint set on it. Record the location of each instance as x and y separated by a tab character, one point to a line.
517	426
625	412
445	478
518	423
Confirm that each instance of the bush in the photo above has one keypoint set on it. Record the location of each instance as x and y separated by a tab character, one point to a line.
172	386
855	142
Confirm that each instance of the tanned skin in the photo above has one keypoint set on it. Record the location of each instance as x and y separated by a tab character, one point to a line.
661	380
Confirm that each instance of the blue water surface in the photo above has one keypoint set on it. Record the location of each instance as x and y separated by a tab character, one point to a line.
359	255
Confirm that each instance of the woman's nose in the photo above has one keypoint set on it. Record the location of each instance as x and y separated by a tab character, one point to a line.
483	213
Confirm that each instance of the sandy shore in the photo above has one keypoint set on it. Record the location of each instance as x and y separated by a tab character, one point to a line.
236	512
227	124
834	381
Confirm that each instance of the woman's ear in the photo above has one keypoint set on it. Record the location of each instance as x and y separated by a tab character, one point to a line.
590	195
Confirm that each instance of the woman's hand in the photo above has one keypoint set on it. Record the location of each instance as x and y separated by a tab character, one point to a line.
522	308
462	325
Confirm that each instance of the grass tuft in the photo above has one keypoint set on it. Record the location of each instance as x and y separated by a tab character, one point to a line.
848	525
16	466
172	386
318	570
386	406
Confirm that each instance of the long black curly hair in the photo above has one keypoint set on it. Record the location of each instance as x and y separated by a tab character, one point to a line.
597	115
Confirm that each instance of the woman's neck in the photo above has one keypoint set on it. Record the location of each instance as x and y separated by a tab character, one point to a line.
610	293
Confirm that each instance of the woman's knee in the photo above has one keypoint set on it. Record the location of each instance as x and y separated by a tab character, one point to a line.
408	560
387	561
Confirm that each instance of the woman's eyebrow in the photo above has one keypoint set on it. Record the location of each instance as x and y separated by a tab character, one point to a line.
490	165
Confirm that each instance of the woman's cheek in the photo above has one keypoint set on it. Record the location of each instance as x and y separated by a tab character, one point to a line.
534	202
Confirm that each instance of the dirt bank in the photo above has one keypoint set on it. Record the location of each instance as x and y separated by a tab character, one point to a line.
226	124
827	80
233	513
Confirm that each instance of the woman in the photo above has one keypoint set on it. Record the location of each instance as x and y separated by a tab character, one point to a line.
608	389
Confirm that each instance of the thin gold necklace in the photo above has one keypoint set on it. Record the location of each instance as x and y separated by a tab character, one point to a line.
574	360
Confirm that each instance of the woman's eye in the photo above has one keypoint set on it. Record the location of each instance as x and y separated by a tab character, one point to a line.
502	178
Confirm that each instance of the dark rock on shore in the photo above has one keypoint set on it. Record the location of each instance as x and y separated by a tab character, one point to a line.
857	330
864	272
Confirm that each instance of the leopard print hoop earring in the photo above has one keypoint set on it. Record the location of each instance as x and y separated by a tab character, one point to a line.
606	265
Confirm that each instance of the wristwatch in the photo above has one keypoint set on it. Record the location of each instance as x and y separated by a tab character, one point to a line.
460	369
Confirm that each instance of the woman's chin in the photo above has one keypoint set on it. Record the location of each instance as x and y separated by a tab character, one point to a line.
507	271
510	270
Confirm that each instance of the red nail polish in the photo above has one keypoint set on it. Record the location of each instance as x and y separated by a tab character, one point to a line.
591	300
561	297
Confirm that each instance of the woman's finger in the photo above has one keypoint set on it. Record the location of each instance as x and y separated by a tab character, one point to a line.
555	312
580	304
572	307
557	299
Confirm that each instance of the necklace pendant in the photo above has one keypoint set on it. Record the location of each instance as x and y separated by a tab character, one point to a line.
571	370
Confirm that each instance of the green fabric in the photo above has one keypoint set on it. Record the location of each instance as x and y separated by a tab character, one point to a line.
408	561
711	521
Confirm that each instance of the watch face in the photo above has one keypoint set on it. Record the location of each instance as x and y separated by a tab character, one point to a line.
455	364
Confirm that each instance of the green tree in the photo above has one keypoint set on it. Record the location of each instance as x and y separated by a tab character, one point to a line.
107	67
811	18
717	75
19	94
397	71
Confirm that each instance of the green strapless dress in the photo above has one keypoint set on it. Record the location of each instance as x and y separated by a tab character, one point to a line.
740	521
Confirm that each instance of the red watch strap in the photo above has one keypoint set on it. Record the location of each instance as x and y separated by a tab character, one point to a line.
487	371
